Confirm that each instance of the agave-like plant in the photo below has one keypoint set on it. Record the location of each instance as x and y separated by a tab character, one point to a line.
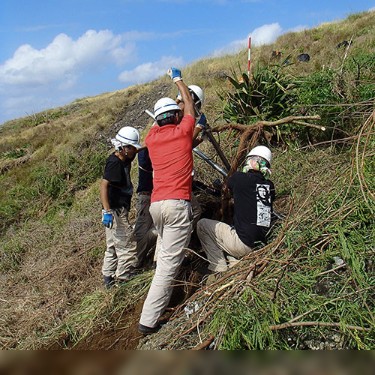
268	94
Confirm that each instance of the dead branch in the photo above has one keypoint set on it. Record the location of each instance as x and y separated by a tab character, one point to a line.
204	344
317	324
285	120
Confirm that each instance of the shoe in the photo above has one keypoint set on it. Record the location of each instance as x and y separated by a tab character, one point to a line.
109	281
232	261
147	330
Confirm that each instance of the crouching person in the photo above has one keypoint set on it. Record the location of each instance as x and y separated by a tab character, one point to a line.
116	189
253	195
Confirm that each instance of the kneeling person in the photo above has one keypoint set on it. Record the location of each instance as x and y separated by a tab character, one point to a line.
253	196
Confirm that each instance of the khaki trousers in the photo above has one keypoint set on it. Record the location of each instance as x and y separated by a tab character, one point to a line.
196	211
172	219
218	238
144	230
120	257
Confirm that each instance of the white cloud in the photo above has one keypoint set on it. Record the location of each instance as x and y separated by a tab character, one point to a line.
64	58
262	35
151	70
36	79
266	34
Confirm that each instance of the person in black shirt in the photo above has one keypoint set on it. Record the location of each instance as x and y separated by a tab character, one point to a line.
253	196
144	230
116	189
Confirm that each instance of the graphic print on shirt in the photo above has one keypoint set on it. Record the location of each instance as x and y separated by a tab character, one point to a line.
263	205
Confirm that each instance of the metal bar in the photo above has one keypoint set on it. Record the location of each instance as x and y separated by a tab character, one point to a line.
204	157
217	148
150	113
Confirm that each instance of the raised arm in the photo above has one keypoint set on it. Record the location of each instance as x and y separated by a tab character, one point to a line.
175	74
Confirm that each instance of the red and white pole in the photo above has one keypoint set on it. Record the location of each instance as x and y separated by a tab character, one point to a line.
249	56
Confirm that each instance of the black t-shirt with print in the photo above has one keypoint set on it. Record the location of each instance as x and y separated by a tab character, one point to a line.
253	197
120	191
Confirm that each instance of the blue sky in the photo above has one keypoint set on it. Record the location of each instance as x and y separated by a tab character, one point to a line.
53	52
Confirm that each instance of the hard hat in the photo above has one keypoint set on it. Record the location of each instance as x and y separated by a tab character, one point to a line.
165	105
261	151
198	94
128	136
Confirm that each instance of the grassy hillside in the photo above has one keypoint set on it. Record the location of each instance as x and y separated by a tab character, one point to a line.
311	287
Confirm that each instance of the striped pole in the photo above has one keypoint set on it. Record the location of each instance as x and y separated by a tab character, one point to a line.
249	56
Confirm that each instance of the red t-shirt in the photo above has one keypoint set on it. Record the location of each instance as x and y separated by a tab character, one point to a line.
170	149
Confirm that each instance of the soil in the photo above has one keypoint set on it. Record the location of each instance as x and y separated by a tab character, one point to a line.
134	115
124	336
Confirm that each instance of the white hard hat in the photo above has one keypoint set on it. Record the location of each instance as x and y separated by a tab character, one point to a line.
261	151
199	94
165	105
128	136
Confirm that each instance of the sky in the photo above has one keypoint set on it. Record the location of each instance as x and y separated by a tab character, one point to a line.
53	52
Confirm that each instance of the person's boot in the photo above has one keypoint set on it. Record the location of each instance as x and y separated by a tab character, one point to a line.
109	281
147	330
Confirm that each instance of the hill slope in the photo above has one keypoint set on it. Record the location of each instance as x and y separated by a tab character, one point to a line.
310	287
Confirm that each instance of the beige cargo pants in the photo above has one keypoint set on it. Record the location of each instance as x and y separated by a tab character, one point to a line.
172	219
196	212
120	257
218	238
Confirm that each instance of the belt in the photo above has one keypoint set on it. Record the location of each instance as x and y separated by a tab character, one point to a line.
144	193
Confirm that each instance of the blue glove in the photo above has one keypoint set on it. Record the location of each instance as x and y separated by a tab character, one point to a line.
107	219
175	74
202	122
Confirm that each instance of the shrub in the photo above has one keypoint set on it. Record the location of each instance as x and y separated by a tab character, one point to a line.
267	95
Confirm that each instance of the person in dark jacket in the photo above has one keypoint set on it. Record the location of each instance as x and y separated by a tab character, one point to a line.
144	230
253	196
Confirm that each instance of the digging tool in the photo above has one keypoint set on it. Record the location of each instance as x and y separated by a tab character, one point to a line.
150	113
215	144
204	157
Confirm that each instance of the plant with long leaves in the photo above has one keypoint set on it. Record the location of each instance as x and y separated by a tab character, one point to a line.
266	95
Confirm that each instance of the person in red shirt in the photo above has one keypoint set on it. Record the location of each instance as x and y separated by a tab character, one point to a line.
169	143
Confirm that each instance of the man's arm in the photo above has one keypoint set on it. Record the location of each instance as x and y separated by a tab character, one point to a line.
175	74
186	98
104	185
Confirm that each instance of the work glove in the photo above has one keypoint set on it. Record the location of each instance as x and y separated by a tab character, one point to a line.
107	218
175	74
202	122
